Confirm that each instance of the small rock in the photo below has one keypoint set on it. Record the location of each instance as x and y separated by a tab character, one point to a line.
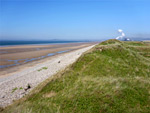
100	49
58	61
23	93
28	87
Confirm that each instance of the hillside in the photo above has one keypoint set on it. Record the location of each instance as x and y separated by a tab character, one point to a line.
113	76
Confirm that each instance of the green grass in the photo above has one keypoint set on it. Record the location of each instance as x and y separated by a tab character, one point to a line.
14	89
20	88
112	77
39	69
43	68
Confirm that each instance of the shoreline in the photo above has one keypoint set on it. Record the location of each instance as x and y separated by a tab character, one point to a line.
23	56
38	44
48	44
16	62
13	87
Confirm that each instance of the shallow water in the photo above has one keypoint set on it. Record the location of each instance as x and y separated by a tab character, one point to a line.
16	62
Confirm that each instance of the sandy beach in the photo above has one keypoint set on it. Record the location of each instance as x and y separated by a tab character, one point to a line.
16	58
15	86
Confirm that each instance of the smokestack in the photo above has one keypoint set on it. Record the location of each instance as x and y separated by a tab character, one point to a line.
122	34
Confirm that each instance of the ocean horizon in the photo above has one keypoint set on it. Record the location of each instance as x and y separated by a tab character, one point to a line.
28	42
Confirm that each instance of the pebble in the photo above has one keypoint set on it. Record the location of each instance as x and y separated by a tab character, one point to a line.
17	85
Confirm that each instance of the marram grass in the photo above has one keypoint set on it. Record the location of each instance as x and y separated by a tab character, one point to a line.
112	77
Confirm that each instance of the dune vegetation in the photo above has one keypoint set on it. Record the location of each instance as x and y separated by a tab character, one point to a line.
114	76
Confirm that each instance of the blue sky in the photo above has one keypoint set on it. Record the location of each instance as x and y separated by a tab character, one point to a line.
73	19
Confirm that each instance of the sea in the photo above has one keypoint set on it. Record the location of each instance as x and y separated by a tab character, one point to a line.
13	43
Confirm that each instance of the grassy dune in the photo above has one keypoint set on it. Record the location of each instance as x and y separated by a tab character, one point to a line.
113	76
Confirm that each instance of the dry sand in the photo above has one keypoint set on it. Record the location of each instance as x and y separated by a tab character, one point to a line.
31	51
13	87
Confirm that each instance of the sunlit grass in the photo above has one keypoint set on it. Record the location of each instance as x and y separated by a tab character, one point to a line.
111	77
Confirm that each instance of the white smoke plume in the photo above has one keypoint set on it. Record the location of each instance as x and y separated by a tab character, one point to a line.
122	34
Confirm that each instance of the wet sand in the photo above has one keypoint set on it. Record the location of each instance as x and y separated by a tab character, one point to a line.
31	75
17	58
